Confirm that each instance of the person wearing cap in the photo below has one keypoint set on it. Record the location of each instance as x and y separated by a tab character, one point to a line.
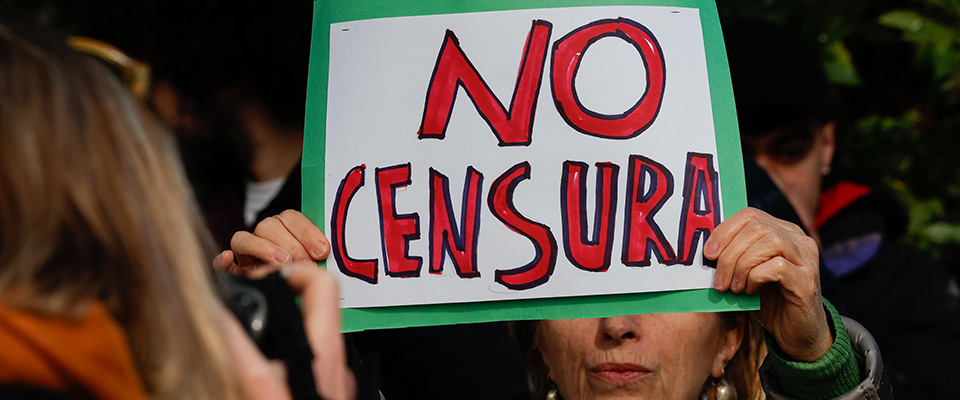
905	298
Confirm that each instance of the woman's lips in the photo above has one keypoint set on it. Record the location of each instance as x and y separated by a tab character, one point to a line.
619	372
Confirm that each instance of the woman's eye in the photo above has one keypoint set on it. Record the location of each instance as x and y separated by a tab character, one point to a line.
790	151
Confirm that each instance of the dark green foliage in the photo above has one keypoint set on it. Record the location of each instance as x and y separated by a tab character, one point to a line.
895	68
894	65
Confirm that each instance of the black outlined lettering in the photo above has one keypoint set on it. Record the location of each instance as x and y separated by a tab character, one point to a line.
365	270
593	253
643	236
701	205
453	70
568	51
396	230
444	236
500	202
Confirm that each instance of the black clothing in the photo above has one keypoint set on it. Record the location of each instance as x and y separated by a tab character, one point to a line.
908	300
467	361
14	391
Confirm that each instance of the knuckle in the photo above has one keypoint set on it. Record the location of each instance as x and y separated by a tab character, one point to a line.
778	242
289	215
759	229
783	264
734	261
237	239
726	258
808	243
808	250
797	229
268	224
724	263
751	213
300	255
777	276
743	268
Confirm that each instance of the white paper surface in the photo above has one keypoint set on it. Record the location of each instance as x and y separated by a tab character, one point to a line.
379	73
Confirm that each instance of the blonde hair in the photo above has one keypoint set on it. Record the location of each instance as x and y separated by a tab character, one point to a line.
94	206
742	372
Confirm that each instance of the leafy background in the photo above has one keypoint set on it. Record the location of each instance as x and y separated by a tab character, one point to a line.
895	67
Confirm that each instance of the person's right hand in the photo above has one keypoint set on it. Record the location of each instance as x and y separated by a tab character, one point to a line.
286	237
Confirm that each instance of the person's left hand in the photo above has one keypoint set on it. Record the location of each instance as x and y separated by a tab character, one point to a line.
286	237
260	378
756	252
290	237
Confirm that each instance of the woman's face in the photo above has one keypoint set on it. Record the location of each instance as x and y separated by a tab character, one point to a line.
796	157
653	356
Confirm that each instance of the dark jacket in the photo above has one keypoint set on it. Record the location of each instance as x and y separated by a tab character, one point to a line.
908	300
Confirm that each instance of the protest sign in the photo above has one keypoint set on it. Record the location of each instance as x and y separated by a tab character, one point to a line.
519	160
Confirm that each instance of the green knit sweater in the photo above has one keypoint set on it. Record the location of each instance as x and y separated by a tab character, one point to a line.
831	376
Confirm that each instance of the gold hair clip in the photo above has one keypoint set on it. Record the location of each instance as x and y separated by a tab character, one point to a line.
135	73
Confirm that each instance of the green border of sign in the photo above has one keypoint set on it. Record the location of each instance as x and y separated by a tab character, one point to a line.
728	157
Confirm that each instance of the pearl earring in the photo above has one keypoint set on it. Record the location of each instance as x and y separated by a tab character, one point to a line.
725	390
552	394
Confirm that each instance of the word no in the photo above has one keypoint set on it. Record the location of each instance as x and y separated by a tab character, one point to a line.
514	127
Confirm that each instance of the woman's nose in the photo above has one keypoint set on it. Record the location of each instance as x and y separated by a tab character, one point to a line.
619	329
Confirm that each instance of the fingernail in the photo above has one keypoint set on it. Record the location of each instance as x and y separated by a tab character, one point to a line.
319	248
717	281
710	248
280	255
736	284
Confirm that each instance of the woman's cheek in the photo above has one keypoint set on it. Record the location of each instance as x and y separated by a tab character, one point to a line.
563	353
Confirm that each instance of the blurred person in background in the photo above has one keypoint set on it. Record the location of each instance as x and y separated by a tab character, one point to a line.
908	301
105	287
230	78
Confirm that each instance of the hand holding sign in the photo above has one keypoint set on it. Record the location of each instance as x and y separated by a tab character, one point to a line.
444	174
759	253
287	237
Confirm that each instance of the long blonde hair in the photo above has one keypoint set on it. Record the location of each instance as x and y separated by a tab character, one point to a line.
94	206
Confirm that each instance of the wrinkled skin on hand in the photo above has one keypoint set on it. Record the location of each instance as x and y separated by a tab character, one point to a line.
757	253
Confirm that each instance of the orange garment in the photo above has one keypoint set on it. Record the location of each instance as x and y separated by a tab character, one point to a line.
90	356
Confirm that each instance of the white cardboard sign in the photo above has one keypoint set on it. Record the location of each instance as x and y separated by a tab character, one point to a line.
519	154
